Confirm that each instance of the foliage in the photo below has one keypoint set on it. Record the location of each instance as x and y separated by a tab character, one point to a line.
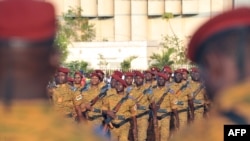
162	59
77	66
126	63
72	27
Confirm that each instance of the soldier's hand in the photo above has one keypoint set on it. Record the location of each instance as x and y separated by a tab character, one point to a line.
88	107
111	114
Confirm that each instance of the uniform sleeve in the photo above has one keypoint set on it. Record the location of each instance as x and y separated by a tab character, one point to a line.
105	103
133	108
172	101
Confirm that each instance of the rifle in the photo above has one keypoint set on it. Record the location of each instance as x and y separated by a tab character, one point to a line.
196	92
102	93
154	115
107	121
182	87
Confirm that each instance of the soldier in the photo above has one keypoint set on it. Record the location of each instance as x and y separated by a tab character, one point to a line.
86	110
149	79
129	76
221	48
199	96
185	74
119	109
168	71
142	95
63	94
165	106
28	59
184	99
77	80
101	75
113	82
154	70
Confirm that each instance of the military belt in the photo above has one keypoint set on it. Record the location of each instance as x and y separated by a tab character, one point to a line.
164	115
183	110
120	117
97	110
117	125
198	107
94	117
197	101
141	108
70	115
162	111
142	114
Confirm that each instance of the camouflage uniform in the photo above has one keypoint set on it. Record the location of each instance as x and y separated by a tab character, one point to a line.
36	121
127	109
199	100
235	98
143	100
165	108
181	101
63	96
95	117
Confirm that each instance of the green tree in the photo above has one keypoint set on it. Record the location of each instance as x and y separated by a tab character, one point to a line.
77	66
126	63
73	27
161	59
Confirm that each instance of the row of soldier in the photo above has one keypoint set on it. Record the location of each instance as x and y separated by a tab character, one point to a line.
152	105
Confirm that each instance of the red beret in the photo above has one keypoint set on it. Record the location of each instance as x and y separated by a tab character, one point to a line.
194	69
95	74
117	78
155	69
178	71
163	75
118	73
62	69
77	72
70	79
228	20
129	74
138	73
149	71
184	70
167	69
31	20
99	71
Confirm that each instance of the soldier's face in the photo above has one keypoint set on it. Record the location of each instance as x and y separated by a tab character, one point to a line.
195	76
148	76
129	80
113	83
119	87
77	79
161	81
168	75
138	81
101	76
61	78
94	80
185	75
177	77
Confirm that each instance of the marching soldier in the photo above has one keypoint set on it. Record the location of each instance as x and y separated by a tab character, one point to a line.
168	71
154	71
101	75
78	81
199	96
142	95
165	107
120	109
88	103
184	99
63	94
149	81
129	77
221	48
185	74
28	59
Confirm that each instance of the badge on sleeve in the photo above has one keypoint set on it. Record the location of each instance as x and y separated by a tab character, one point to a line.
79	97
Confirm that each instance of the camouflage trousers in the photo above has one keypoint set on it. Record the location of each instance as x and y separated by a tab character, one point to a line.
198	114
164	128
142	125
121	133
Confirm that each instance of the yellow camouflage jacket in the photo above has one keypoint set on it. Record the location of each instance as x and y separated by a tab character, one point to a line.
142	100
181	96
62	97
235	99
36	121
127	109
199	98
168	101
